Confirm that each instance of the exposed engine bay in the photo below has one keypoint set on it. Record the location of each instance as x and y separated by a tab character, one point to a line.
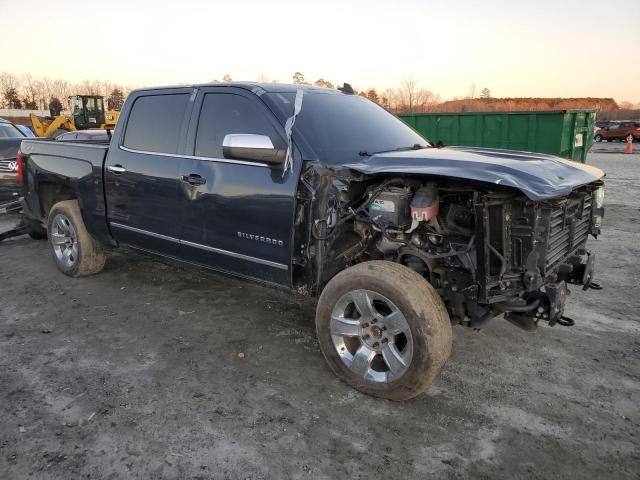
487	251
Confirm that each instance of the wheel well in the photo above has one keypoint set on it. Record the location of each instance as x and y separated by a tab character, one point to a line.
52	193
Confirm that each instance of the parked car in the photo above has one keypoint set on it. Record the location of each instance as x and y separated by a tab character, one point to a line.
25	130
10	138
327	194
84	135
619	131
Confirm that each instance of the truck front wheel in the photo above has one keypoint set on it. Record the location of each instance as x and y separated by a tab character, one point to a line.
76	254
383	329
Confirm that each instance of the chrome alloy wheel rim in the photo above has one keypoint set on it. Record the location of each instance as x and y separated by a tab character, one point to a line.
63	240
371	336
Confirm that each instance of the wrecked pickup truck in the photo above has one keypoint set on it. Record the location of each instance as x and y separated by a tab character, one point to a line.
327	194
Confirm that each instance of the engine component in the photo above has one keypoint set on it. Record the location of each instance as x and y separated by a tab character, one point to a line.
391	208
424	205
388	246
459	219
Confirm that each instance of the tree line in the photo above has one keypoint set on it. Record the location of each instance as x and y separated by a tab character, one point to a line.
29	93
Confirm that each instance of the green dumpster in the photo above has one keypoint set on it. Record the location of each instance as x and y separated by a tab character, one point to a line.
565	133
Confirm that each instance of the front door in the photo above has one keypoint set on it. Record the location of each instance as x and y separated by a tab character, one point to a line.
141	172
238	215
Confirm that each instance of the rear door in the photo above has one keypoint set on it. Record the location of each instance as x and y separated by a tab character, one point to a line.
141	171
239	218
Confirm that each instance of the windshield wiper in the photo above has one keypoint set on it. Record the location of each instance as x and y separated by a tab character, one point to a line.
415	146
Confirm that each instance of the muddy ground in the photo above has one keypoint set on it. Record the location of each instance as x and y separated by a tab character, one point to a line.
152	370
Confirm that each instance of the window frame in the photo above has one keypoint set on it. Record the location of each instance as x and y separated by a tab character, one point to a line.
190	146
183	125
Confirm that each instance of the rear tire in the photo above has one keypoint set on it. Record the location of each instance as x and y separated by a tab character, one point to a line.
75	252
383	330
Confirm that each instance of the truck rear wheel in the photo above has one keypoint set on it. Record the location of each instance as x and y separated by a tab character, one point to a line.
76	254
383	330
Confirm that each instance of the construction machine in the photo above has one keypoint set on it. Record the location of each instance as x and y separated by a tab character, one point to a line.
87	112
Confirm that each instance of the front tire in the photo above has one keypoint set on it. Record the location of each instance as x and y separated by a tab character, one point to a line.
383	330
76	254
598	138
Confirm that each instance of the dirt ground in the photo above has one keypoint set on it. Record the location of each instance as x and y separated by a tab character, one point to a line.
154	370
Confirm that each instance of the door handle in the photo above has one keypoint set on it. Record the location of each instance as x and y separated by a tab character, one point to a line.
194	179
116	169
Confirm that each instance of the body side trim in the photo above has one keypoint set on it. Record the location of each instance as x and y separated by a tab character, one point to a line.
202	247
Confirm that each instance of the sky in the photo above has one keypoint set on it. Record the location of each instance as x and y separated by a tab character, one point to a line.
559	48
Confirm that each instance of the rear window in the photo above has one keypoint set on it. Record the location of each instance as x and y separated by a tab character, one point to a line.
154	123
9	131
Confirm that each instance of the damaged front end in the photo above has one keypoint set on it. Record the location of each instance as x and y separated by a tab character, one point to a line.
486	251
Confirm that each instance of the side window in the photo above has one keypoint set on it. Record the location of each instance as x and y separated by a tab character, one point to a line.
91	105
224	113
154	123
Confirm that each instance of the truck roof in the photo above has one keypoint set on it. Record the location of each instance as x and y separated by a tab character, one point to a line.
267	87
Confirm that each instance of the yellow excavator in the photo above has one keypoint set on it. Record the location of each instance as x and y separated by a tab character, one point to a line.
87	112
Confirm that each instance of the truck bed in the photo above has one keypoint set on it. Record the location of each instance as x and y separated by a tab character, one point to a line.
84	150
72	169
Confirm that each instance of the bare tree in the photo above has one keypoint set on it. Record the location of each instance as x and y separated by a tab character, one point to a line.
390	98
298	78
321	82
9	86
473	91
61	90
372	95
227	78
30	91
409	92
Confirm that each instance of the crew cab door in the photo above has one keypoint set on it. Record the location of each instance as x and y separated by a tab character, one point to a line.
238	214
141	170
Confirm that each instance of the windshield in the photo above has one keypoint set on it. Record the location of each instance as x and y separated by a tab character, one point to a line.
345	128
9	131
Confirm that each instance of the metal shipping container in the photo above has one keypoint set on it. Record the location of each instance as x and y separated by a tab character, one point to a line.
565	133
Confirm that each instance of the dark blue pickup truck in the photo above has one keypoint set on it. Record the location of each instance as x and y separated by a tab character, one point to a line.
327	194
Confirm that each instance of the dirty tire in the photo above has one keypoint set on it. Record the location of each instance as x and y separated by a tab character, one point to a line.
90	258
598	138
423	310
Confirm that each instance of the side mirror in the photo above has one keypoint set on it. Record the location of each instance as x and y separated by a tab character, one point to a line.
252	147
